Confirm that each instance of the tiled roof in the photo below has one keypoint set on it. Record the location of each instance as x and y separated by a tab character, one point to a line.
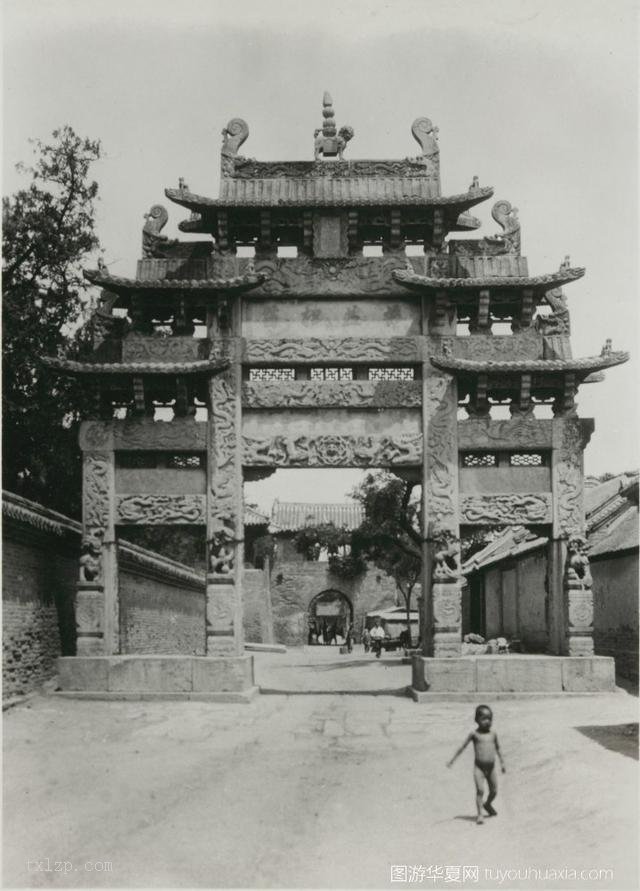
547	281
612	515
68	366
511	542
475	366
323	191
290	516
620	535
119	283
252	517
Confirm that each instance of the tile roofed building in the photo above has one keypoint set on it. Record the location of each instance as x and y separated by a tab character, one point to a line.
290	516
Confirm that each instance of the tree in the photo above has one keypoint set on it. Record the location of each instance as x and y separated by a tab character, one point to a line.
390	536
48	233
312	540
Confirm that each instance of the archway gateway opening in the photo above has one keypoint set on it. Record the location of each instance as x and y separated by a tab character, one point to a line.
330	615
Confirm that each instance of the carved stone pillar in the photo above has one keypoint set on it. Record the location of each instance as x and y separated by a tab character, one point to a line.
570	593
441	568
224	507
97	589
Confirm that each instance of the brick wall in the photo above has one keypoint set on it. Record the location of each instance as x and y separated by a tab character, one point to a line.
39	571
615	608
257	618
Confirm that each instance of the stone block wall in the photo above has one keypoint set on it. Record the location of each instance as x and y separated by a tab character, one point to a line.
295	584
615	608
162	605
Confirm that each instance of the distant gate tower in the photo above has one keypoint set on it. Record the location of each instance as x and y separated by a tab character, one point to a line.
332	358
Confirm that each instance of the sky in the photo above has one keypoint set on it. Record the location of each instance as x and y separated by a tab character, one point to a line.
538	98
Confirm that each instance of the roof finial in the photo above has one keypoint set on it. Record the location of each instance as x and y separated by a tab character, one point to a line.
329	123
328	142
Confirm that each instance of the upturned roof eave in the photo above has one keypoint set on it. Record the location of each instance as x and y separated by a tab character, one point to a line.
585	366
72	367
202	204
123	285
549	280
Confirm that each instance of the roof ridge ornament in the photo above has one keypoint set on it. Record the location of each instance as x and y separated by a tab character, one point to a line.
426	135
234	135
328	141
506	216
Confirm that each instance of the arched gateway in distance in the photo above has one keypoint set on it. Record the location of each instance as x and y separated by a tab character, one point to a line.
335	358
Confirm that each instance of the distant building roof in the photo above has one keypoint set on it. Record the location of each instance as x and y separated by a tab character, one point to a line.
252	517
612	515
291	516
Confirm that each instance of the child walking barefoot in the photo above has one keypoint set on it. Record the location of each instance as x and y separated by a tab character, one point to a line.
486	747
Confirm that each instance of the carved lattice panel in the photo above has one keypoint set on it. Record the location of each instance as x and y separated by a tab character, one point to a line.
480	459
332	374
272	374
527	459
391	374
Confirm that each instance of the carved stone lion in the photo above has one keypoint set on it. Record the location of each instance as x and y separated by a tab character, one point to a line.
221	554
577	566
446	557
90	559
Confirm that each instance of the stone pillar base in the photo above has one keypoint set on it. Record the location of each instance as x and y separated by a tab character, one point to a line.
579	634
90	619
447	618
223	636
171	676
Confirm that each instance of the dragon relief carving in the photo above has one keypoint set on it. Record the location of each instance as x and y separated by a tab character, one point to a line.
97	486
332	394
569	480
309	277
359	349
509	509
514	433
144	433
333	451
157	510
223	523
442	458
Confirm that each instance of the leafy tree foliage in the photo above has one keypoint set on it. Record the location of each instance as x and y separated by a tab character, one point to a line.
389	535
48	235
312	540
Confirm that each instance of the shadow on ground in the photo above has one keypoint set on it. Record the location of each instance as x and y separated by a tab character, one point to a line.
400	691
622	738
